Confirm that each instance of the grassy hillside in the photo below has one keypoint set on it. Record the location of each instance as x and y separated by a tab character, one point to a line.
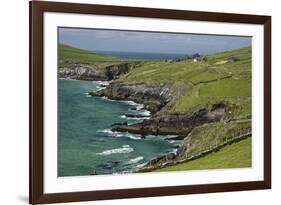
69	55
203	82
236	155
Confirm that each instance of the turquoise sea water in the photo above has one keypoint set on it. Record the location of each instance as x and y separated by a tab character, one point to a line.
85	143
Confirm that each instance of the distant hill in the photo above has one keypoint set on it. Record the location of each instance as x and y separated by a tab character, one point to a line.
67	52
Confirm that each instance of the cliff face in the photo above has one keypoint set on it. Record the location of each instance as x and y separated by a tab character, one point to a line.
176	124
114	71
153	97
91	72
82	73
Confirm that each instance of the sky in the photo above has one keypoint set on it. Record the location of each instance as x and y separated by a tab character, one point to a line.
149	42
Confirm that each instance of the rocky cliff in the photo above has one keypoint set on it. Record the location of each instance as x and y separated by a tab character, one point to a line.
153	97
176	124
91	72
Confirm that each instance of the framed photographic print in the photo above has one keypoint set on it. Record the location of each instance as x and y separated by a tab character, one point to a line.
138	102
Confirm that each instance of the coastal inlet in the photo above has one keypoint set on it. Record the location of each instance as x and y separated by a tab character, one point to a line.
87	144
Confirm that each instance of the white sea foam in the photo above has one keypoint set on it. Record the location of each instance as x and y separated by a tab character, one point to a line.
87	95
121	150
170	136
102	82
141	165
106	98
105	131
100	88
145	113
133	137
135	160
129	102
134	104
139	106
123	116
135	118
110	133
174	151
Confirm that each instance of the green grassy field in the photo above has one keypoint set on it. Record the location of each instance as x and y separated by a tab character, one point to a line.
69	55
68	52
236	155
163	72
227	87
216	80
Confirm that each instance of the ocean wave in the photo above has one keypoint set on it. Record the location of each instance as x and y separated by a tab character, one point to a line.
123	116
106	98
135	118
134	137
102	82
129	102
145	113
87	95
110	133
139	107
134	104
170	136
141	165
174	151
140	111
135	160
122	150
98	88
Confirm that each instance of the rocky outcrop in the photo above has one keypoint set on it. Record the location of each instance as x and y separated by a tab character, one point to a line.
91	72
82	73
176	124
153	97
114	71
